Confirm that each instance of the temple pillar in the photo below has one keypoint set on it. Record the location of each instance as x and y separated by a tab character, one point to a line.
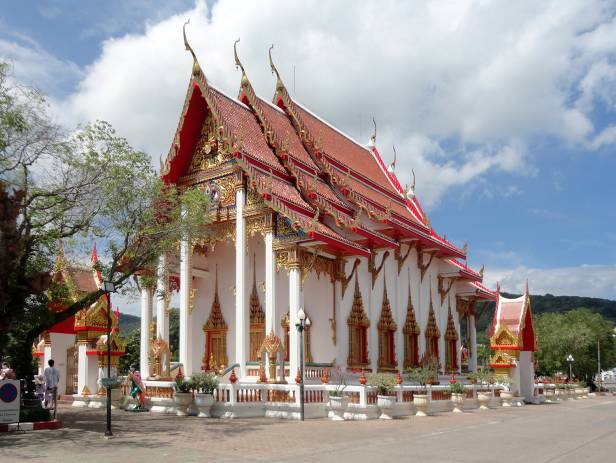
270	283
146	320
295	300
162	309
241	301
185	305
472	362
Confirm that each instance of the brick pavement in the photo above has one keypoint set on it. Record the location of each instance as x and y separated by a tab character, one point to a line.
156	438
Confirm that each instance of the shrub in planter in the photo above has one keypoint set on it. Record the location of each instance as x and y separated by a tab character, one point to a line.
337	400
183	396
204	384
458	393
385	384
421	375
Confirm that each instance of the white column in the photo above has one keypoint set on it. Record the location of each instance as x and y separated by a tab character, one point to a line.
270	283
185	317
162	287
473	353
146	320
82	368
295	297
241	303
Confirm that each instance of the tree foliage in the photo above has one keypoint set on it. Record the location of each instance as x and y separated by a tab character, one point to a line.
82	186
576	332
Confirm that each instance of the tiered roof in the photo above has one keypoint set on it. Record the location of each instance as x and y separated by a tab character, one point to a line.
328	186
512	325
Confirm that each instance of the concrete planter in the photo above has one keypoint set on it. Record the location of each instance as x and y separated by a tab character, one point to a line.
182	401
204	403
421	404
550	395
386	404
506	397
458	402
338	405
484	400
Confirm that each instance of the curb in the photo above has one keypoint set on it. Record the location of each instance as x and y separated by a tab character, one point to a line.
35	426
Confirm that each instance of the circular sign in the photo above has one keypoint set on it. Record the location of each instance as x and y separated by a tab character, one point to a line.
8	392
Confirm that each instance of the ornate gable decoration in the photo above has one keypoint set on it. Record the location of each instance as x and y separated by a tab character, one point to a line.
503	338
450	333
215	321
410	324
257	316
386	321
502	359
358	316
432	330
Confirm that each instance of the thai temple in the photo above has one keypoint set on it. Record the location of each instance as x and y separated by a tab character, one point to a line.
78	345
305	219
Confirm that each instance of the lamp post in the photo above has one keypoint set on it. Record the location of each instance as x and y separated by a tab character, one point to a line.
108	287
570	360
301	323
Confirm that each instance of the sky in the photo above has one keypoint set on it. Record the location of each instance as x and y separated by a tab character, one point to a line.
506	111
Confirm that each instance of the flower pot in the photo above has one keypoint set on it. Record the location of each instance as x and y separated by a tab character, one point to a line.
550	395
506	397
204	403
458	402
421	404
116	397
182	401
386	404
484	400
338	405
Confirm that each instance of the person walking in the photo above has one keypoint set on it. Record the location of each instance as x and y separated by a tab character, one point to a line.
52	378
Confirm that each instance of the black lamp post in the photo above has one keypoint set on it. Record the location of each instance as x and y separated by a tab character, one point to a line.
108	287
570	360
301	323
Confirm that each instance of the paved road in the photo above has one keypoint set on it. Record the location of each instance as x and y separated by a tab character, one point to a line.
582	430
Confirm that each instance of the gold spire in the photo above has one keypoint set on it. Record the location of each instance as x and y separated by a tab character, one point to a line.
279	84
196	70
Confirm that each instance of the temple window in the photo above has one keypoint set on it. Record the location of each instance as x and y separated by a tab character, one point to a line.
257	319
410	333
432	336
215	329
358	324
387	334
451	345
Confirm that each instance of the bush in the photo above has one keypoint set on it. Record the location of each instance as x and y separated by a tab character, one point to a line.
181	385
204	383
384	382
421	375
457	388
339	378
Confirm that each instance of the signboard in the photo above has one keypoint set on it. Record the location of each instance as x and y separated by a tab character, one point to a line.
9	401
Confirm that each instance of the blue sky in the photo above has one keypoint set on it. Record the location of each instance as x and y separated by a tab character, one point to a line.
506	112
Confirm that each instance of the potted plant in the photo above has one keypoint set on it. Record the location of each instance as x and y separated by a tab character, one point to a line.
338	402
183	396
506	394
472	377
421	375
484	377
457	397
204	384
385	384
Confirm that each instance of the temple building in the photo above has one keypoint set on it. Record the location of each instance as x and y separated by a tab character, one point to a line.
303	217
513	341
78	345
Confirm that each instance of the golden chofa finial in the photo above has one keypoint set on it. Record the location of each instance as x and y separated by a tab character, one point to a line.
279	84
392	167
373	136
238	64
196	70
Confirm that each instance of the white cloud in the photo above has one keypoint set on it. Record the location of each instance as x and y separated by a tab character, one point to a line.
462	88
584	280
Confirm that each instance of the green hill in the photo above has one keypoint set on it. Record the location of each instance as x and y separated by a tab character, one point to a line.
551	303
128	323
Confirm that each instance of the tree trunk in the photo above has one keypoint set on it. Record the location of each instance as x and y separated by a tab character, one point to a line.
20	352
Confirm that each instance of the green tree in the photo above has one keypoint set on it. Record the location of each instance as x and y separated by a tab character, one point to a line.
89	184
576	332
132	353
174	333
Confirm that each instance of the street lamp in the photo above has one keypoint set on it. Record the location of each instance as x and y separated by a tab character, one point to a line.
301	323
108	288
570	360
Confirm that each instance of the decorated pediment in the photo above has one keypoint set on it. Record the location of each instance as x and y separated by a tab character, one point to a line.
432	330
450	333
215	321
386	321
503	337
410	324
501	358
358	316
272	344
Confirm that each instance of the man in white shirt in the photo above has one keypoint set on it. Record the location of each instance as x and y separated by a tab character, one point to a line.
52	378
